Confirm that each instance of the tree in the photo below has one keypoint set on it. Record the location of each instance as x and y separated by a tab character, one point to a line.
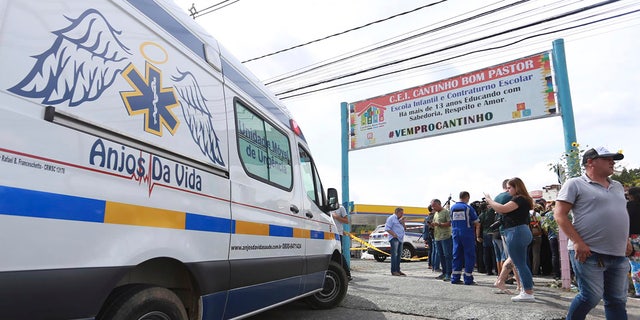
628	178
569	167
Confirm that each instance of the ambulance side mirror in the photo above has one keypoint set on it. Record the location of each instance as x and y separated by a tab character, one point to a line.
332	197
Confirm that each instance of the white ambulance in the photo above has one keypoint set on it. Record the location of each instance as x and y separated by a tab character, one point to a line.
145	174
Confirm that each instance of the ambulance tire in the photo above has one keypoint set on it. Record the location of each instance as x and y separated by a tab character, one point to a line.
379	257
142	302
334	290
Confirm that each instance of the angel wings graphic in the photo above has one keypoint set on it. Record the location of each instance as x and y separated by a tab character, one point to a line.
85	59
197	115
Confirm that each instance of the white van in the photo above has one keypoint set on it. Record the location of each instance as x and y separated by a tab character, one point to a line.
412	246
145	173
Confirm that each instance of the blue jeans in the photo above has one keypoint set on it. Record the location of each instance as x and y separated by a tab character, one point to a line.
487	254
445	252
396	254
518	239
498	250
433	260
429	243
600	277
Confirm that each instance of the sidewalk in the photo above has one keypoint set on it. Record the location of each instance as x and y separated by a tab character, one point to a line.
374	294
424	295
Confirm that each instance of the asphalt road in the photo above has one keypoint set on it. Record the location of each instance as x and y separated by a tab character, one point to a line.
374	294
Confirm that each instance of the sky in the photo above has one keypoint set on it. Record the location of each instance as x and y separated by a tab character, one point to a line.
603	69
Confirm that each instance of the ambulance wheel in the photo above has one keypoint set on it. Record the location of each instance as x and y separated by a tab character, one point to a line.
407	252
143	302
379	257
334	289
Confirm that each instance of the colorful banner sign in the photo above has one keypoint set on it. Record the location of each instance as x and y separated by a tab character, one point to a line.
514	91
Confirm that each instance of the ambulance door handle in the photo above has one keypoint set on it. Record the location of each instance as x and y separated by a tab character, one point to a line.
294	209
309	214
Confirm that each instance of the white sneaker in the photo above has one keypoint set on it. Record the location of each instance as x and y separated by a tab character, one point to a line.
523	297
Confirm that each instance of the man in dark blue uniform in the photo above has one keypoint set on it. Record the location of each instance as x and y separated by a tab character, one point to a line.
465	227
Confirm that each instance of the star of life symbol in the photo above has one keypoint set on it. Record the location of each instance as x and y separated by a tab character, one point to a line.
151	99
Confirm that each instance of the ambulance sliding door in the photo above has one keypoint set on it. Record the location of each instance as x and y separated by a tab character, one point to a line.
267	241
319	243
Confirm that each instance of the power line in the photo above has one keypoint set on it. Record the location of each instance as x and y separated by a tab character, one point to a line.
433	42
442	60
403	40
478	58
438	50
451	46
530	12
343	32
395	48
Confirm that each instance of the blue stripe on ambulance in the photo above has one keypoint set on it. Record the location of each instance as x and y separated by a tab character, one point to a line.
280	231
200	222
39	204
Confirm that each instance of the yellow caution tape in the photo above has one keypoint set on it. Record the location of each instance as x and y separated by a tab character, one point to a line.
367	245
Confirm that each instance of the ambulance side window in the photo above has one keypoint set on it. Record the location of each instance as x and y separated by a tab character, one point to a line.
310	178
264	150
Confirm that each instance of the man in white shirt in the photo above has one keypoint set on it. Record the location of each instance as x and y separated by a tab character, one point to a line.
340	217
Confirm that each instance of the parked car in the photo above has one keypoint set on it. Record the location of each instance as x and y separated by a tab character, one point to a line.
413	244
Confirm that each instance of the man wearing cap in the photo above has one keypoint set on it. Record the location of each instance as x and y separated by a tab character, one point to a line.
598	242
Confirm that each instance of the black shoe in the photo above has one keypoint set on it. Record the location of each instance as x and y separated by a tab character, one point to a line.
456	282
491	274
349	278
510	281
